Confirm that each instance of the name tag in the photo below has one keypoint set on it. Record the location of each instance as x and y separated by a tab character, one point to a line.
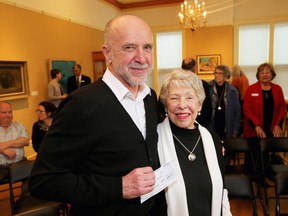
254	94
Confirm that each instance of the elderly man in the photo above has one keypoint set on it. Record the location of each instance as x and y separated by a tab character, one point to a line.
13	138
101	149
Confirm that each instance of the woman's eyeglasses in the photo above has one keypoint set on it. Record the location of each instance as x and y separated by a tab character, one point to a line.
218	73
40	111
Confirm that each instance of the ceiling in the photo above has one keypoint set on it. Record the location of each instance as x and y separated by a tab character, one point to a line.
126	4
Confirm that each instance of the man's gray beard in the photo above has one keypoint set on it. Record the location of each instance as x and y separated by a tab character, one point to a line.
133	83
136	83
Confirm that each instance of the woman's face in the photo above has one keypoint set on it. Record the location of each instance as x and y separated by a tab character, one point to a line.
265	75
59	76
41	113
182	106
219	77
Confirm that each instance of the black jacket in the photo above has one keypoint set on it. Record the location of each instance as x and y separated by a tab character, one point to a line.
91	144
72	84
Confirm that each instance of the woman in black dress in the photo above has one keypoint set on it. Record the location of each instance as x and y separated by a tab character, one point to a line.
45	112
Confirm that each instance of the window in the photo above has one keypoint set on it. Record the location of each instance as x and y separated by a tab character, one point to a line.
254	43
281	44
169	52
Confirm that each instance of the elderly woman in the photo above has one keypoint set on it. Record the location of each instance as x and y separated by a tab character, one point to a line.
226	108
200	166
45	113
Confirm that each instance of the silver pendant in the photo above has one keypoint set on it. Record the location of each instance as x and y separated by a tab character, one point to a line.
219	108
191	157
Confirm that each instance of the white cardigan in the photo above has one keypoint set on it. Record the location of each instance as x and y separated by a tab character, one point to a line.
176	192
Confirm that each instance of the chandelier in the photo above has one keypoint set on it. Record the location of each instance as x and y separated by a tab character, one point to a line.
192	16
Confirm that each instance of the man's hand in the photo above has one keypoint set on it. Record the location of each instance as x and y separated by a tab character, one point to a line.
138	182
10	153
3	146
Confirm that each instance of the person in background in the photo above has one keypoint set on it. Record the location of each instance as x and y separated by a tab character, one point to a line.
240	81
204	118
55	92
14	137
264	108
45	113
78	80
101	149
226	109
197	151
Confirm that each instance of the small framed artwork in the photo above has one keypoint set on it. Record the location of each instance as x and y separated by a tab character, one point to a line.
206	63
13	80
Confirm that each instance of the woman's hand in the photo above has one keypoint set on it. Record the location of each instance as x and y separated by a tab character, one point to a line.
277	131
260	133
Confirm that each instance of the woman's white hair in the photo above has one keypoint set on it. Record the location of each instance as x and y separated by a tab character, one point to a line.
181	78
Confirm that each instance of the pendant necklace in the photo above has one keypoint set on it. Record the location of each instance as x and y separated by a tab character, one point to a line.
221	96
191	156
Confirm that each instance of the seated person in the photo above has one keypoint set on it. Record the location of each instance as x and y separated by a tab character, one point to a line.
14	137
45	112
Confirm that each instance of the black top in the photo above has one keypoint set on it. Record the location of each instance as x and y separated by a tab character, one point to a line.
219	118
73	85
38	132
90	145
205	118
268	108
195	173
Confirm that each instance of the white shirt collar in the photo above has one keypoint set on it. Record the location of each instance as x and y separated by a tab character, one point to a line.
120	90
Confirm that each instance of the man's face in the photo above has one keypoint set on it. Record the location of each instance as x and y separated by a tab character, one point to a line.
130	53
76	71
6	115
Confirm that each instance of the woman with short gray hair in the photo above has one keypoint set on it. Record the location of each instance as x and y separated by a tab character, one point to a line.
226	109
195	150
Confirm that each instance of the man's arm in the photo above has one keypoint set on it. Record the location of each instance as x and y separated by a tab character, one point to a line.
17	143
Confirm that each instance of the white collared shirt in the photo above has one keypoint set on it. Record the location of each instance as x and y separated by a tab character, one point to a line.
78	77
134	106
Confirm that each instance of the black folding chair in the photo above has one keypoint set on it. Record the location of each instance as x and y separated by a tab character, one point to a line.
272	148
281	190
240	187
25	203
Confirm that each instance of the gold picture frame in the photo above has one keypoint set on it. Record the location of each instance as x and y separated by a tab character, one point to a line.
13	80
206	63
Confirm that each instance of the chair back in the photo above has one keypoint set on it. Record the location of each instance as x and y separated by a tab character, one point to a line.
233	148
281	183
270	148
239	186
273	144
20	171
237	144
41	211
281	188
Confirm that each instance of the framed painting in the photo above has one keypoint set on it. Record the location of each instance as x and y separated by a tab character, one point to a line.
65	66
206	63
13	80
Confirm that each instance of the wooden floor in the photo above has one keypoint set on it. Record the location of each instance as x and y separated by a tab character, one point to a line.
238	207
